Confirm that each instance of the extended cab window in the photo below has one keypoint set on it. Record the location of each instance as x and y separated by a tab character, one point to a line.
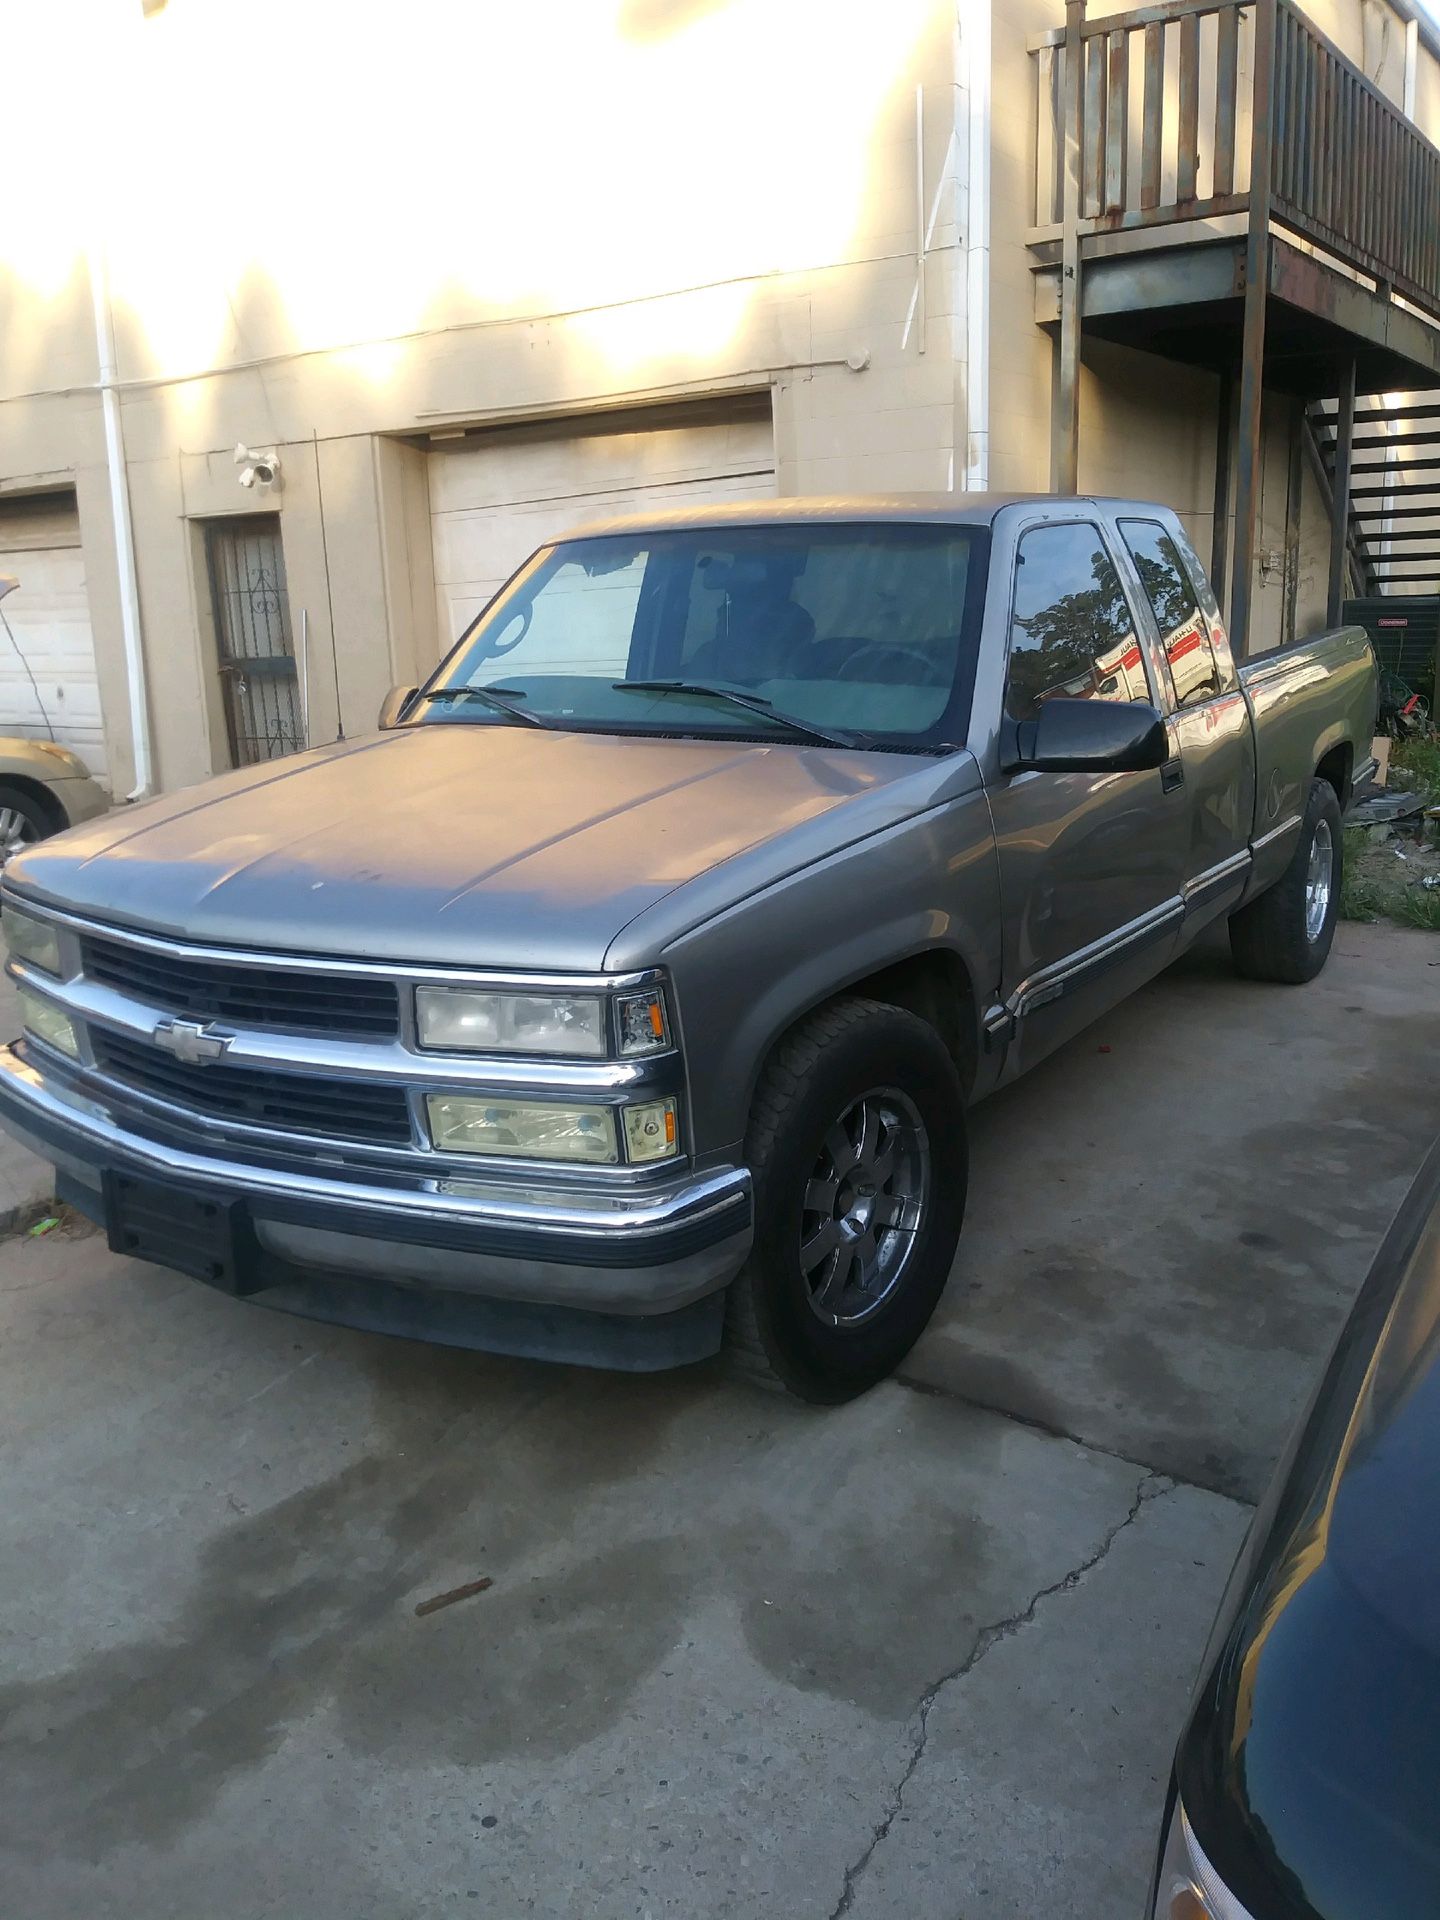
1183	631
1072	631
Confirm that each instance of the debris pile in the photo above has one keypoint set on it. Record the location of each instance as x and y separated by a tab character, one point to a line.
1392	853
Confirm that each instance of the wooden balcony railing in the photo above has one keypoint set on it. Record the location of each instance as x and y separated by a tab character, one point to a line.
1348	170
1164	121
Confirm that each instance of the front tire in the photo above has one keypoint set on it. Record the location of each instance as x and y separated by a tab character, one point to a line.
1287	933
857	1150
22	822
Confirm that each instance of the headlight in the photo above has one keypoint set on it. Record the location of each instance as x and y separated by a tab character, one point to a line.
47	1022
1190	1888
522	1130
458	1020
31	939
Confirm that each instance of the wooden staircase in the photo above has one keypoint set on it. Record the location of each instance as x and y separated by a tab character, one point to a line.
1394	519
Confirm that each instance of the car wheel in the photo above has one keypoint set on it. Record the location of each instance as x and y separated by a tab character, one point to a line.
857	1151
1286	934
22	823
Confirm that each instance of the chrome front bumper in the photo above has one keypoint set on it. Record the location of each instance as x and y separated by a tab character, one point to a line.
607	1250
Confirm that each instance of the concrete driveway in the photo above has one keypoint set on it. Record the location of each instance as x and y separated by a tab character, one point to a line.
920	1656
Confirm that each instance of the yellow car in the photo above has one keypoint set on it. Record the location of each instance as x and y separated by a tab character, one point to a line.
43	788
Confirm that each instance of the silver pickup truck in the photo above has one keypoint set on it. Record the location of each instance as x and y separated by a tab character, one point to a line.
627	991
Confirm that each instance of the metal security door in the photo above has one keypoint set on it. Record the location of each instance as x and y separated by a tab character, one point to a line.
253	638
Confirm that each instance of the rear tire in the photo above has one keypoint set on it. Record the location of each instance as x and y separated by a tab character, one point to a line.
1287	933
857	1151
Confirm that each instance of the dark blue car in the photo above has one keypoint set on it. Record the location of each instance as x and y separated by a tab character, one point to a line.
1307	1782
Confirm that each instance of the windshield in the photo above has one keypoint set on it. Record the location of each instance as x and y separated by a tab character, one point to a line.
858	632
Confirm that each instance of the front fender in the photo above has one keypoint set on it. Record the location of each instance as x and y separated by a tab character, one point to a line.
749	973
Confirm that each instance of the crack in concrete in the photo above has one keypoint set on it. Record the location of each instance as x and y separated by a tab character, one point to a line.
1151	1485
931	1390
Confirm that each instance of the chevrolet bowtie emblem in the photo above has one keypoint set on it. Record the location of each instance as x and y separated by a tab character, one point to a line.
187	1040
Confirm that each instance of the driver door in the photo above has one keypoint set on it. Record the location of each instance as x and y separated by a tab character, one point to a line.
1091	865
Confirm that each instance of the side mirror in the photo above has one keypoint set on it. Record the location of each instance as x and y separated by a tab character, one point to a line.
392	707
1088	736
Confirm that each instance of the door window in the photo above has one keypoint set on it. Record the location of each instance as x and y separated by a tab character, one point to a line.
1184	633
253	639
1072	631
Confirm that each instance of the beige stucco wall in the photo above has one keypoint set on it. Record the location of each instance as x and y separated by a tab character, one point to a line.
346	236
340	241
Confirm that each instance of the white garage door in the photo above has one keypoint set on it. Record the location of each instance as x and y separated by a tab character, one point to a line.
493	503
47	660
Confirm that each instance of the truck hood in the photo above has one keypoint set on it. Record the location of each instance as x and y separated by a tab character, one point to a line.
458	845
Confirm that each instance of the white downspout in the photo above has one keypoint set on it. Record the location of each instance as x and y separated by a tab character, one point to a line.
1412	62
124	535
974	20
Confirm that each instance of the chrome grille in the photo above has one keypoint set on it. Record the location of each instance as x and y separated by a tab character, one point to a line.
374	1113
266	997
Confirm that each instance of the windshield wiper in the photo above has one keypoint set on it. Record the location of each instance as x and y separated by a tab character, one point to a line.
751	702
501	698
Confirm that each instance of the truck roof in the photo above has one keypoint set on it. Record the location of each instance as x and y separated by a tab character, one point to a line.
954	509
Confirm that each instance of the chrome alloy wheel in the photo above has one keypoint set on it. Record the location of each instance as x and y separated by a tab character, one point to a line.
16	833
1319	879
865	1203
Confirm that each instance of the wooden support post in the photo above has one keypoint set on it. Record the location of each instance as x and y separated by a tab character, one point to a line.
1340	495
1152	120
1252	351
1224	446
1065	378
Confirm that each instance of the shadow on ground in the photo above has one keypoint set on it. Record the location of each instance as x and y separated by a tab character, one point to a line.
1170	1218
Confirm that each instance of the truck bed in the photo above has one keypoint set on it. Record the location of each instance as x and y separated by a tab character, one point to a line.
1307	701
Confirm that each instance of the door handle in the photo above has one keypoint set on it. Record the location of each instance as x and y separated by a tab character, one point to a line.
1172	775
